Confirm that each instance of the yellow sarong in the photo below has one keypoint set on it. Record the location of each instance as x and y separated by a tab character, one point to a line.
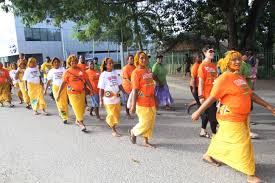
36	94
113	114
232	146
25	95
62	103
78	104
5	93
146	117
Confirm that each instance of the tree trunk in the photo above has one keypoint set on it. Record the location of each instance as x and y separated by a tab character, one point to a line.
136	26
232	29
255	13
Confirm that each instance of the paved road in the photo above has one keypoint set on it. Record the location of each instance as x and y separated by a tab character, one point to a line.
36	149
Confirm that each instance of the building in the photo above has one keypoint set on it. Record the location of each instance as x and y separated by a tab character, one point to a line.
45	39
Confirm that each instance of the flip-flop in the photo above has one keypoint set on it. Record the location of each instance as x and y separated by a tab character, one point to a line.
11	106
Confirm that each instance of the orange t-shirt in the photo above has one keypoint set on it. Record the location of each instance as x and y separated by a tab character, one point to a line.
142	80
4	75
93	76
75	79
82	66
234	94
194	73
126	77
208	73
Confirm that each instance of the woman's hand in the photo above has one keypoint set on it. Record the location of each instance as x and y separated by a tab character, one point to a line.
133	109
58	97
195	116
101	103
45	92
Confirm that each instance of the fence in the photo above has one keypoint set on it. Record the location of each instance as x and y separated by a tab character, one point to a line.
175	60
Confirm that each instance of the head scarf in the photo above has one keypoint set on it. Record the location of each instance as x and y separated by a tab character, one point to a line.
136	58
70	59
228	57
32	60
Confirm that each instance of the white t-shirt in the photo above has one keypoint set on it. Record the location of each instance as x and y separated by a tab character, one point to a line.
32	75
12	76
110	81
56	75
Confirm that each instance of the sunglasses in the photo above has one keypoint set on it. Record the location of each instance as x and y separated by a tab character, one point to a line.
211	51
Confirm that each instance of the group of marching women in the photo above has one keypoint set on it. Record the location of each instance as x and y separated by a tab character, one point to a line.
225	100
82	84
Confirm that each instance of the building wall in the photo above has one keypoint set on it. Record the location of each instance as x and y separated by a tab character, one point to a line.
8	39
14	34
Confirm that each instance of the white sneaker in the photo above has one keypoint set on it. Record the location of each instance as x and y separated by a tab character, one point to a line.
254	135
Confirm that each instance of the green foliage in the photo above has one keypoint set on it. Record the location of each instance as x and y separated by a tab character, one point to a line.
137	22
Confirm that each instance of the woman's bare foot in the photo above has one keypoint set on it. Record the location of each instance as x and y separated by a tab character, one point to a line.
254	179
44	113
115	134
210	160
36	113
147	144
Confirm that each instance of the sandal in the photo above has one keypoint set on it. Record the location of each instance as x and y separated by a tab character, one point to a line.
206	135
133	138
11	106
28	106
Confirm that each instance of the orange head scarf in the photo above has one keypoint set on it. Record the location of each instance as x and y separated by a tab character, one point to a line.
136	58
228	57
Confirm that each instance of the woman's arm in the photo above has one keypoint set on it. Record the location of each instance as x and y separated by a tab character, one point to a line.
47	85
61	88
134	101
260	101
26	86
122	89
200	89
209	101
101	95
90	86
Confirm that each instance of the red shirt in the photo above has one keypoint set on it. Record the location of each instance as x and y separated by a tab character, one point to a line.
4	75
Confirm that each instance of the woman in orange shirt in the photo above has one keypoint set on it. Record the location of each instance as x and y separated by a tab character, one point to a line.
194	82
93	100
75	80
207	73
126	81
82	63
5	83
232	144
143	100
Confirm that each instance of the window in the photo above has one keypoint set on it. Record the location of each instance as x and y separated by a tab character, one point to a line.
42	34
